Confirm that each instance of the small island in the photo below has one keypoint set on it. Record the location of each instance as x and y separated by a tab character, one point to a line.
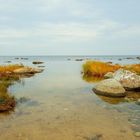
9	74
113	80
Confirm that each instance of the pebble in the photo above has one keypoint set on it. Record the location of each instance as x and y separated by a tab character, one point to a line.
137	134
19	135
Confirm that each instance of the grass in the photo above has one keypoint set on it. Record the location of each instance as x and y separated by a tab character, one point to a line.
7	72
7	77
10	68
133	68
99	69
7	102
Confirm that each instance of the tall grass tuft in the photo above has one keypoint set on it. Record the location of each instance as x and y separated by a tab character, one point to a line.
10	68
98	68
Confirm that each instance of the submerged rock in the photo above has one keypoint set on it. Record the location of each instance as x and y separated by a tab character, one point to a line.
78	59
37	62
109	62
27	70
110	87
128	79
8	61
137	134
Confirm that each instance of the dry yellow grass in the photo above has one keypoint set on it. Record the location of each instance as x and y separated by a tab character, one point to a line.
9	68
134	68
99	69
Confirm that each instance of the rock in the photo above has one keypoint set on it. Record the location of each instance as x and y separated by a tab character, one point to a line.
128	99
27	70
128	79
137	134
23	100
109	62
78	59
109	75
37	62
138	102
110	87
95	137
41	66
129	58
8	61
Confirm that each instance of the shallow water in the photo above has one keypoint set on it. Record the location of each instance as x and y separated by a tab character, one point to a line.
59	105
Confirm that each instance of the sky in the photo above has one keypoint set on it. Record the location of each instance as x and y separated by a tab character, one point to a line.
69	27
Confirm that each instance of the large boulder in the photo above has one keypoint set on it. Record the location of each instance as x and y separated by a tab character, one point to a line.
128	79
27	70
110	87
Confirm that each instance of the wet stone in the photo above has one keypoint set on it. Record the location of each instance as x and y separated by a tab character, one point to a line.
23	100
137	134
96	137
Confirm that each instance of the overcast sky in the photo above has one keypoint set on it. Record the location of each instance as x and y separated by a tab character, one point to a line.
69	27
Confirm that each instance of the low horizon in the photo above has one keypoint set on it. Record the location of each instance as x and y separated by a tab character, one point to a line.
64	55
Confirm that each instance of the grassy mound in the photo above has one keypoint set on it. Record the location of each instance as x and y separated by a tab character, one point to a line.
98	69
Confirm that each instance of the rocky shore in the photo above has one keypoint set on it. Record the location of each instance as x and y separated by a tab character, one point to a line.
118	83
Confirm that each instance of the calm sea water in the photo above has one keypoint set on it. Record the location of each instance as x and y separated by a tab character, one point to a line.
60	105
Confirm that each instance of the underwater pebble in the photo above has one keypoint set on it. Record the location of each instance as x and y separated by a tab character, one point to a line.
137	134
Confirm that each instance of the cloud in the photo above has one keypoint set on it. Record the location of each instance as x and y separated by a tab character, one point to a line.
72	24
69	31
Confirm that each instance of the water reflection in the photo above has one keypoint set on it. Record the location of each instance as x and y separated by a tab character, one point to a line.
130	97
91	79
111	100
7	101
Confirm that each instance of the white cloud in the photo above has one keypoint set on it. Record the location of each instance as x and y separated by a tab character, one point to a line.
61	31
53	22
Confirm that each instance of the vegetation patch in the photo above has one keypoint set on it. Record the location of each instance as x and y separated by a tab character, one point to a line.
98	69
8	75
